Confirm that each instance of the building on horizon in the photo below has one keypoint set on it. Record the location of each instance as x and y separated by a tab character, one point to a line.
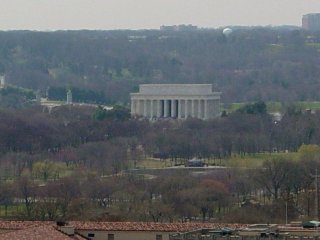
181	27
177	101
311	21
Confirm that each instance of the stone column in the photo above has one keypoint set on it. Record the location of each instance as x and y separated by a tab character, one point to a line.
192	108
179	109
145	108
133	110
186	112
173	108
206	109
138	110
165	106
152	108
135	106
155	108
199	109
158	108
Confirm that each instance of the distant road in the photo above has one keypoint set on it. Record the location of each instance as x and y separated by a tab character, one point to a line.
173	170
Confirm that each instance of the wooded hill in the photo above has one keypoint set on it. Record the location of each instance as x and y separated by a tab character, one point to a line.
251	64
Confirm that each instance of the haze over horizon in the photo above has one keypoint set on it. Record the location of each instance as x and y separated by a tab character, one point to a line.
44	15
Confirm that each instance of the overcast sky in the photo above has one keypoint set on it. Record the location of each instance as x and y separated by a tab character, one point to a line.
147	14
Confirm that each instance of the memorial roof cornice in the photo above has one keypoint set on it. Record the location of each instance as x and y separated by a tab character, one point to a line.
176	96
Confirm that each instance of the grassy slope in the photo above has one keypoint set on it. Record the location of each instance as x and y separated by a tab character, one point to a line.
275	106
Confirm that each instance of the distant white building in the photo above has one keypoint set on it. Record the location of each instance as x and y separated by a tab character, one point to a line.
311	21
179	101
69	97
2	81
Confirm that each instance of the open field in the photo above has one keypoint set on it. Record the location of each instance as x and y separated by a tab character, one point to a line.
153	163
313	45
236	161
255	160
309	105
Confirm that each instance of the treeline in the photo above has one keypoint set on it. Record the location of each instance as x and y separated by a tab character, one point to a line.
15	97
250	64
78	95
247	131
226	195
71	164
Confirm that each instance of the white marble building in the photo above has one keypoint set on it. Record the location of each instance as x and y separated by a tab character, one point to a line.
176	101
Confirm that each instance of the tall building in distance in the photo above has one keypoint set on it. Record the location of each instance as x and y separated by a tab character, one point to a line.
311	21
179	101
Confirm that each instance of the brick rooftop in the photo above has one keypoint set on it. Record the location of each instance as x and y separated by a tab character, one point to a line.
37	230
148	226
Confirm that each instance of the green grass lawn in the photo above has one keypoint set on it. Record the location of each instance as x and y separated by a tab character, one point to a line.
152	163
12	210
313	45
274	106
231	107
309	105
237	161
255	160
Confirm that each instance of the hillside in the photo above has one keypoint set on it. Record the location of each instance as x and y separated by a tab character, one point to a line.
251	64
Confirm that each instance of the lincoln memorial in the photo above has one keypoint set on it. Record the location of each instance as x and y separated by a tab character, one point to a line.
176	101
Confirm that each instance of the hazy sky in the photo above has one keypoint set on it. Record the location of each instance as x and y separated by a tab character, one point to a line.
146	14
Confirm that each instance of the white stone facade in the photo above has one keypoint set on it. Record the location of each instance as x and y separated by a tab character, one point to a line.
69	97
179	101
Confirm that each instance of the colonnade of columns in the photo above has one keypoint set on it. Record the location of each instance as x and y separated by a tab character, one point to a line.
171	108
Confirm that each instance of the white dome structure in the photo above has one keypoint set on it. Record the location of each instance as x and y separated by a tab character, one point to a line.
227	31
